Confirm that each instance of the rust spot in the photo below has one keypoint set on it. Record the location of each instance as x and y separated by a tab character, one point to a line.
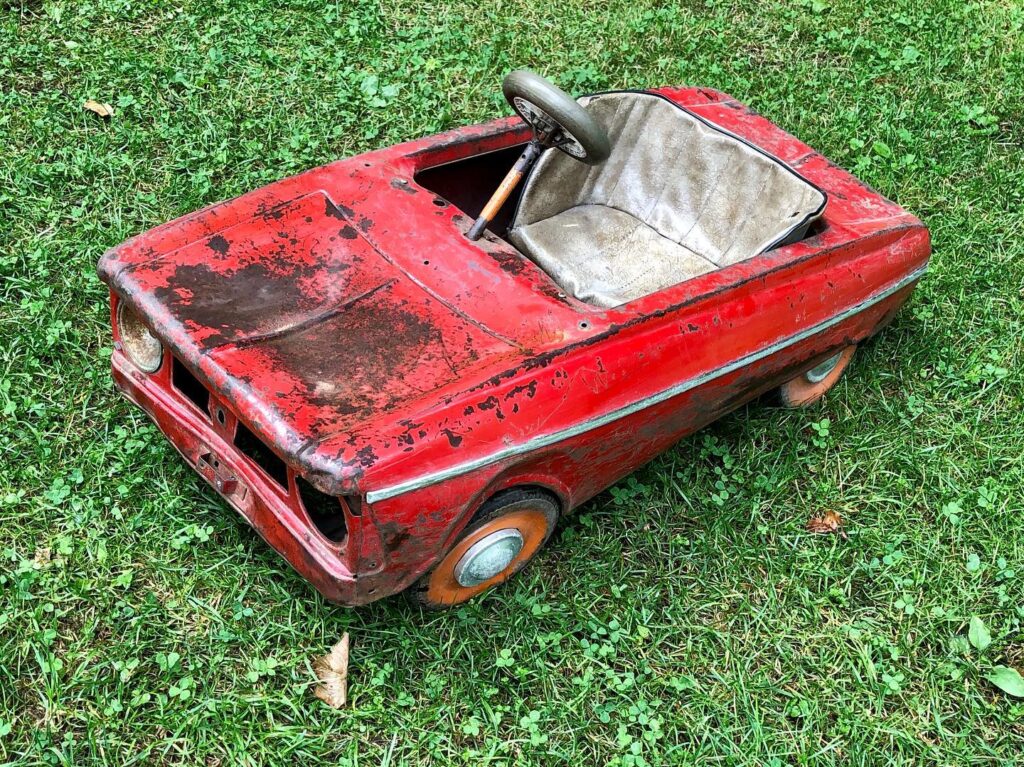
491	403
453	439
218	244
511	262
230	306
379	351
406	438
347	232
393	536
366	456
403	185
340	212
530	389
551	290
275	212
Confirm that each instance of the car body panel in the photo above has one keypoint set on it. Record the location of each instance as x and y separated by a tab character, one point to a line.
344	318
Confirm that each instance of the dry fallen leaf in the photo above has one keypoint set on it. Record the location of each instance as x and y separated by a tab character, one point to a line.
332	671
829	522
42	557
103	110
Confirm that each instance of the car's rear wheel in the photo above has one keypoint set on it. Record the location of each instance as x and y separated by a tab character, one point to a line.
811	385
504	535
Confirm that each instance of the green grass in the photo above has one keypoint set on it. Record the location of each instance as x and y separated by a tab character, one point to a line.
668	623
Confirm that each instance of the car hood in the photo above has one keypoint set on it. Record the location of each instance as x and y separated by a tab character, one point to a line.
293	318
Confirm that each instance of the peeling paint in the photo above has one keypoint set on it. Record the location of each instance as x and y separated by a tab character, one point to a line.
367	342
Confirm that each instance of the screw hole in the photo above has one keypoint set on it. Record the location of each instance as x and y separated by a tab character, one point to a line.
426	263
584	325
440	203
221	418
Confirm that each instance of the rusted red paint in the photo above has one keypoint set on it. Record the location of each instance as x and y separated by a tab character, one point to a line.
342	315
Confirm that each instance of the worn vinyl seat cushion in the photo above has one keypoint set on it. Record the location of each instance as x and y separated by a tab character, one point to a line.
676	198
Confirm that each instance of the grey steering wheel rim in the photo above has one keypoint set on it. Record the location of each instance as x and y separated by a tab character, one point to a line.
555	117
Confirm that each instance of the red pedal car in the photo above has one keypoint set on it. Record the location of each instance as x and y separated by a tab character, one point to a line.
401	380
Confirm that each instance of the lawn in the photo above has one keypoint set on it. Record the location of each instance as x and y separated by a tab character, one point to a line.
686	616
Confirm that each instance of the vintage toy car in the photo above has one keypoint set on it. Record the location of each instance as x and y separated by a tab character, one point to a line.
396	396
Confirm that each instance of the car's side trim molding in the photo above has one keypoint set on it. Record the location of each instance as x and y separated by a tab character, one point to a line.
536	443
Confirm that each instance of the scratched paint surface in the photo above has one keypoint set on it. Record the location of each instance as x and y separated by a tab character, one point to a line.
343	316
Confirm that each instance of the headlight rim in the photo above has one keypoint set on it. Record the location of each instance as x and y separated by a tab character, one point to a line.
129	329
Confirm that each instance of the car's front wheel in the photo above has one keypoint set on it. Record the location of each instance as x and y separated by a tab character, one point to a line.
504	535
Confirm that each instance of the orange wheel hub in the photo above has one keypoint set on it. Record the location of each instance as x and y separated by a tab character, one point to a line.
488	555
809	387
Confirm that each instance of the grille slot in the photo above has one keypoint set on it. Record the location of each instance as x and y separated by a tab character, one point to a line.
325	511
253	448
188	385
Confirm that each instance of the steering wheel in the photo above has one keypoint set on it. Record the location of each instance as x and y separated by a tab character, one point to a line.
557	122
555	117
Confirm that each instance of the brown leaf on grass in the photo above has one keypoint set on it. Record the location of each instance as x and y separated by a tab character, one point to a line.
103	110
332	671
825	524
42	557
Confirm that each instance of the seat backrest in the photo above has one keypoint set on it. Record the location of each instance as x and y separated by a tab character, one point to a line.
693	183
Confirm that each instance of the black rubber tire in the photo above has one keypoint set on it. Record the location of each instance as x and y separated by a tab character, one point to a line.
563	109
501	504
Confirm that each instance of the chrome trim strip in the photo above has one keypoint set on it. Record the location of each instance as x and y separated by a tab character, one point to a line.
549	439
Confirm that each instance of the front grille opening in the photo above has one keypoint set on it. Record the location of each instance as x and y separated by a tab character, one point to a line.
354	505
189	385
324	511
253	449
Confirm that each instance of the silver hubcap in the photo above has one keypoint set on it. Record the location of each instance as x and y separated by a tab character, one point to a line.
818	373
488	557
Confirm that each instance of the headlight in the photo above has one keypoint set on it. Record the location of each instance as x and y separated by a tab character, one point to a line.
141	346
